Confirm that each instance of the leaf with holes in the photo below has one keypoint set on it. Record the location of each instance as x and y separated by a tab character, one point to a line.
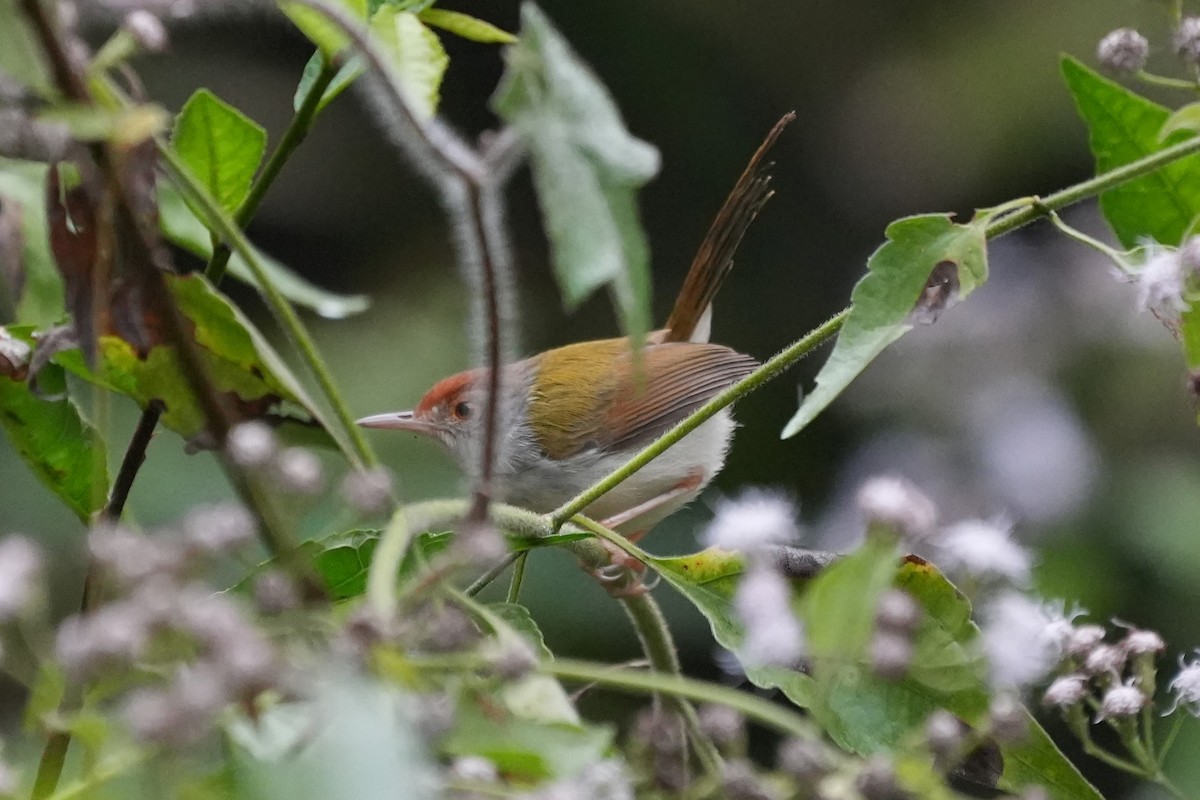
927	263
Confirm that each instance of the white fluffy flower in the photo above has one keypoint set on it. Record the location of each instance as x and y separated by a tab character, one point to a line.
1161	283
1018	639
774	634
984	550
896	503
1123	700
20	569
1186	686
752	522
1066	691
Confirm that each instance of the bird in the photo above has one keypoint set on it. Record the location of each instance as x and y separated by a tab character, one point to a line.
571	415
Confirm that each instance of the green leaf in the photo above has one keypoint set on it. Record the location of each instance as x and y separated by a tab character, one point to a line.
182	227
22	192
20	56
861	712
240	362
345	75
1186	118
319	30
416	56
587	169
343	567
354	739
1123	127
709	579
520	620
61	449
884	300
221	145
1189	330
523	748
466	26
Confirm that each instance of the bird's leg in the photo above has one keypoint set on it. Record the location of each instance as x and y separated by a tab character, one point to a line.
623	560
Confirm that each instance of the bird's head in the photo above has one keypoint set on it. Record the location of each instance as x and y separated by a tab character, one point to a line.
451	412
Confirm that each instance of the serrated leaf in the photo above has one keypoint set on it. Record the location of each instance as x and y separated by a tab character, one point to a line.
587	169
520	620
240	363
416	56
40	300
1123	127
883	302
182	227
861	712
53	439
221	145
466	26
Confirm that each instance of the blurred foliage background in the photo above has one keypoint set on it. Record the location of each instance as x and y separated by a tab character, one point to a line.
1047	397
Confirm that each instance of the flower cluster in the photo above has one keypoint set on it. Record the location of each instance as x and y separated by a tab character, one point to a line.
160	619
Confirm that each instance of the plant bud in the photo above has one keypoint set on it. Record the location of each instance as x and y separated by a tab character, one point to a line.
1123	51
898	612
1123	700
1065	692
147	30
1187	40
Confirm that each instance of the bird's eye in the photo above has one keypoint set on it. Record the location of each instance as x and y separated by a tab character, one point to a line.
462	410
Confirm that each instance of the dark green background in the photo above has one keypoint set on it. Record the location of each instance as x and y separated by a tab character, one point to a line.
904	107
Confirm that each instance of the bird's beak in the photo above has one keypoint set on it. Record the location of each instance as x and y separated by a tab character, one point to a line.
398	421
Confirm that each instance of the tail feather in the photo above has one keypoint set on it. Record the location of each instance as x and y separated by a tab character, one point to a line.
714	259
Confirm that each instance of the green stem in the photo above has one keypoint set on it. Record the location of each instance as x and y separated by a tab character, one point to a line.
230	232
772	368
1092	187
50	765
385	564
1170	83
102	774
1111	253
492	573
655	636
297	129
1170	740
518	577
778	717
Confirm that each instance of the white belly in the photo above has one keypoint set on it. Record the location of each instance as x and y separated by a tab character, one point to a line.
544	485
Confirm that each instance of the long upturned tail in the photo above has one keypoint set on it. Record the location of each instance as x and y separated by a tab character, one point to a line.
690	319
